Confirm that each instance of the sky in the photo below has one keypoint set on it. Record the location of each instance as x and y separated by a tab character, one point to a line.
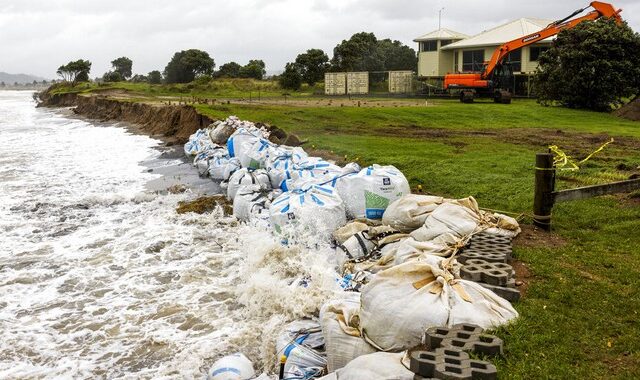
37	36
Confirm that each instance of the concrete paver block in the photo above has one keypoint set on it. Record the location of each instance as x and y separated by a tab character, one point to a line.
463	337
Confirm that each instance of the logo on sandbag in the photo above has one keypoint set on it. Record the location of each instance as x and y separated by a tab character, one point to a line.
386	181
291	216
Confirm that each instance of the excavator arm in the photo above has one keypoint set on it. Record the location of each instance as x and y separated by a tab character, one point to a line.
599	10
470	83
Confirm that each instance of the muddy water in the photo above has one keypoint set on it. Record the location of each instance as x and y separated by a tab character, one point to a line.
99	277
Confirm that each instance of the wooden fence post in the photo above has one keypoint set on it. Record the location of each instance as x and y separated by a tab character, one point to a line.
544	187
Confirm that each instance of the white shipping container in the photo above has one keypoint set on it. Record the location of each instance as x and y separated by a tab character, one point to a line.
358	83
400	82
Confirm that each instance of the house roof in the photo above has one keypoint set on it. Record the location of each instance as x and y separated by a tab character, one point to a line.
441	34
503	33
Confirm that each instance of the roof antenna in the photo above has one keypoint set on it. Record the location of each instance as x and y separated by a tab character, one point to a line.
440	18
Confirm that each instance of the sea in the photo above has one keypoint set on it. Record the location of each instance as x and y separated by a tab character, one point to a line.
101	278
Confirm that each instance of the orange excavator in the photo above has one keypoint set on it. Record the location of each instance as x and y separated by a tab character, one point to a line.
497	75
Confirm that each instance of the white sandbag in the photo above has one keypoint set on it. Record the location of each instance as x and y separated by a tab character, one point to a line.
281	160
232	166
218	166
243	139
375	366
411	249
345	232
253	201
204	158
198	142
461	218
367	194
311	170
232	367
246	176
341	330
300	344
220	132
401	302
311	209
256	156
409	212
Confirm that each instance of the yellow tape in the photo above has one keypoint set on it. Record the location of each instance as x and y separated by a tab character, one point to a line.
561	159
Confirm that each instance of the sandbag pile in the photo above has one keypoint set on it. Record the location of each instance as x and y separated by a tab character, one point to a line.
395	251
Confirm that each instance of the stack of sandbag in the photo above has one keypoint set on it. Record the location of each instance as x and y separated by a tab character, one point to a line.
197	143
232	367
341	330
369	192
461	218
204	158
401	302
375	366
310	209
244	176
300	350
252	202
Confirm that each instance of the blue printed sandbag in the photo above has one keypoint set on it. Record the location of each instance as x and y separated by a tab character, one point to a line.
367	193
310	209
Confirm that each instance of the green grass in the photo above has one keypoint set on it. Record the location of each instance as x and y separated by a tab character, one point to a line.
219	88
579	318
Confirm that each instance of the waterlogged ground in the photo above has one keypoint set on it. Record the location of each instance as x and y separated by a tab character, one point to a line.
99	277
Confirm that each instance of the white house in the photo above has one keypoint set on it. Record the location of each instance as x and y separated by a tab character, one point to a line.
445	51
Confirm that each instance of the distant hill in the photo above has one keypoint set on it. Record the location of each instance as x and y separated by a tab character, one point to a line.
20	78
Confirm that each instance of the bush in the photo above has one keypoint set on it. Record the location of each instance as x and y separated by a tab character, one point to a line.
594	66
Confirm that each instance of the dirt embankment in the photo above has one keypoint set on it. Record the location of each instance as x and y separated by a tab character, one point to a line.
173	123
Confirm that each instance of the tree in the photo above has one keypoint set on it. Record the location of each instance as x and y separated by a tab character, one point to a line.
229	70
2	84
359	53
139	78
154	77
593	65
255	69
122	66
112	76
186	65
75	71
313	64
397	56
291	78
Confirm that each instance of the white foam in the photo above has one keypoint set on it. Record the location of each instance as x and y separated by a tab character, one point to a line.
99	278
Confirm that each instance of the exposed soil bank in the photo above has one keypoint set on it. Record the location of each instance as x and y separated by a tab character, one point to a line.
173	123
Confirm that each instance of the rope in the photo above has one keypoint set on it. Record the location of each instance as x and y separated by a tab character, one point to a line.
561	159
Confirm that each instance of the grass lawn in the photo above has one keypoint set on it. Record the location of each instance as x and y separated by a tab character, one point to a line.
579	316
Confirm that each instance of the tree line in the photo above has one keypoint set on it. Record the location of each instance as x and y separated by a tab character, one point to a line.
362	52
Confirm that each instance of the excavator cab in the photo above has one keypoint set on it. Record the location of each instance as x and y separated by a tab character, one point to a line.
503	80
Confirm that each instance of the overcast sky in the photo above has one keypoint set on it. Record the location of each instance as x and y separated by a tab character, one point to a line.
37	36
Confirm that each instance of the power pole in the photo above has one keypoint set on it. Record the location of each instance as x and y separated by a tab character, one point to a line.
440	18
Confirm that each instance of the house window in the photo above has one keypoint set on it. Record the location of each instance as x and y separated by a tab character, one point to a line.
535	51
429	46
515	60
472	60
444	43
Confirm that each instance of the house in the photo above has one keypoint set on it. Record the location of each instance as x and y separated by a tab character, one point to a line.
445	51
